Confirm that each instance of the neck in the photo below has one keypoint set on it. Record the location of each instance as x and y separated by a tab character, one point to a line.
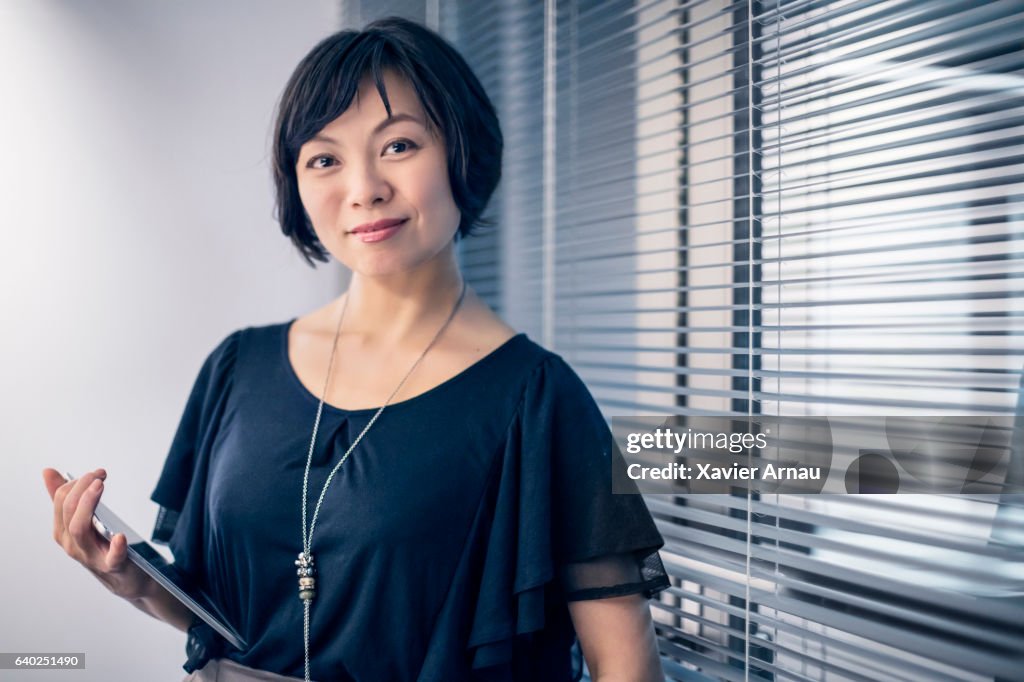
405	307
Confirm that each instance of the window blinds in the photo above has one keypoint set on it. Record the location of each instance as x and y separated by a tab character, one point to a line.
811	207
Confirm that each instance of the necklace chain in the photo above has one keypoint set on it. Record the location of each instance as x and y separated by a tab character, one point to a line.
305	561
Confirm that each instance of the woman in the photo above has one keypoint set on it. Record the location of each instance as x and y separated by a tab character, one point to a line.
396	486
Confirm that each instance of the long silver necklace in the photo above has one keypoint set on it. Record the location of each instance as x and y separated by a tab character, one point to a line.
306	566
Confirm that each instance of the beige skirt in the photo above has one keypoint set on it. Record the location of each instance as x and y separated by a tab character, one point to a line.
225	670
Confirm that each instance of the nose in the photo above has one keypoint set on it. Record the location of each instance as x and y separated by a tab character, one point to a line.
368	186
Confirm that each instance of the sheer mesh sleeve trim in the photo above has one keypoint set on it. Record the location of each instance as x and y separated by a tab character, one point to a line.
202	644
615	575
163	529
557	531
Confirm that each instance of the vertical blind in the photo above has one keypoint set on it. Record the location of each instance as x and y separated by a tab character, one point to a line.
811	207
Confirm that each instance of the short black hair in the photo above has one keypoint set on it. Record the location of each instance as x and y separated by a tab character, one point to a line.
327	79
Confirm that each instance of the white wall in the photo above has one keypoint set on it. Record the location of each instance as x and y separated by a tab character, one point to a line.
135	233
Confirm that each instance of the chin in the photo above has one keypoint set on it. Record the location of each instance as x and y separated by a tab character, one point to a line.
387	262
380	265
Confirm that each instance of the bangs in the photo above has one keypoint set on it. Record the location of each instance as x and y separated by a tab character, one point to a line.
332	81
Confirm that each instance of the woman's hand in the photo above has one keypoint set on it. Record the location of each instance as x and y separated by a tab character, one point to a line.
73	505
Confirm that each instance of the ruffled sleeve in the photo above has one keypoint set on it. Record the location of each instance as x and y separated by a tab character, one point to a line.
181	488
558	532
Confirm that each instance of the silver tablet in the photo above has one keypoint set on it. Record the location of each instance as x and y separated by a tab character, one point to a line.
145	556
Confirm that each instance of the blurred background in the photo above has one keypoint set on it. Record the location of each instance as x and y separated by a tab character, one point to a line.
811	207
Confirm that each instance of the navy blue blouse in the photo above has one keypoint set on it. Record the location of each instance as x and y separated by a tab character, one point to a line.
448	543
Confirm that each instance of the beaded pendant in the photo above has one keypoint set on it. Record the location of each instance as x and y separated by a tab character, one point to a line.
307	576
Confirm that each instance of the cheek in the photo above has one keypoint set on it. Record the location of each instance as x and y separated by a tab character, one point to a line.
317	201
306	197
439	195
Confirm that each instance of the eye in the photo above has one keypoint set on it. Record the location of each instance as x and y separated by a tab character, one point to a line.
321	161
402	142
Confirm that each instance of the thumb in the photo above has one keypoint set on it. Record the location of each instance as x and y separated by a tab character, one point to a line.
117	552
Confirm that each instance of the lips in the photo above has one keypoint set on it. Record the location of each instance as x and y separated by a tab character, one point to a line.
379	231
378	225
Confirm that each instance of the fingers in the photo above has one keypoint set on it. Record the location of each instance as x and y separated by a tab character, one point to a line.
73	495
66	499
53	480
58	487
59	495
84	499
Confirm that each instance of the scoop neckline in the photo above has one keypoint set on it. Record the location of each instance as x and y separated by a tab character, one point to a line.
309	395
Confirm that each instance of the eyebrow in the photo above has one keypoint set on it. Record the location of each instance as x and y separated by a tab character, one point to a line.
397	118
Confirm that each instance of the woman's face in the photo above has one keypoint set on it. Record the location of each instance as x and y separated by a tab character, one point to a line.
363	168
